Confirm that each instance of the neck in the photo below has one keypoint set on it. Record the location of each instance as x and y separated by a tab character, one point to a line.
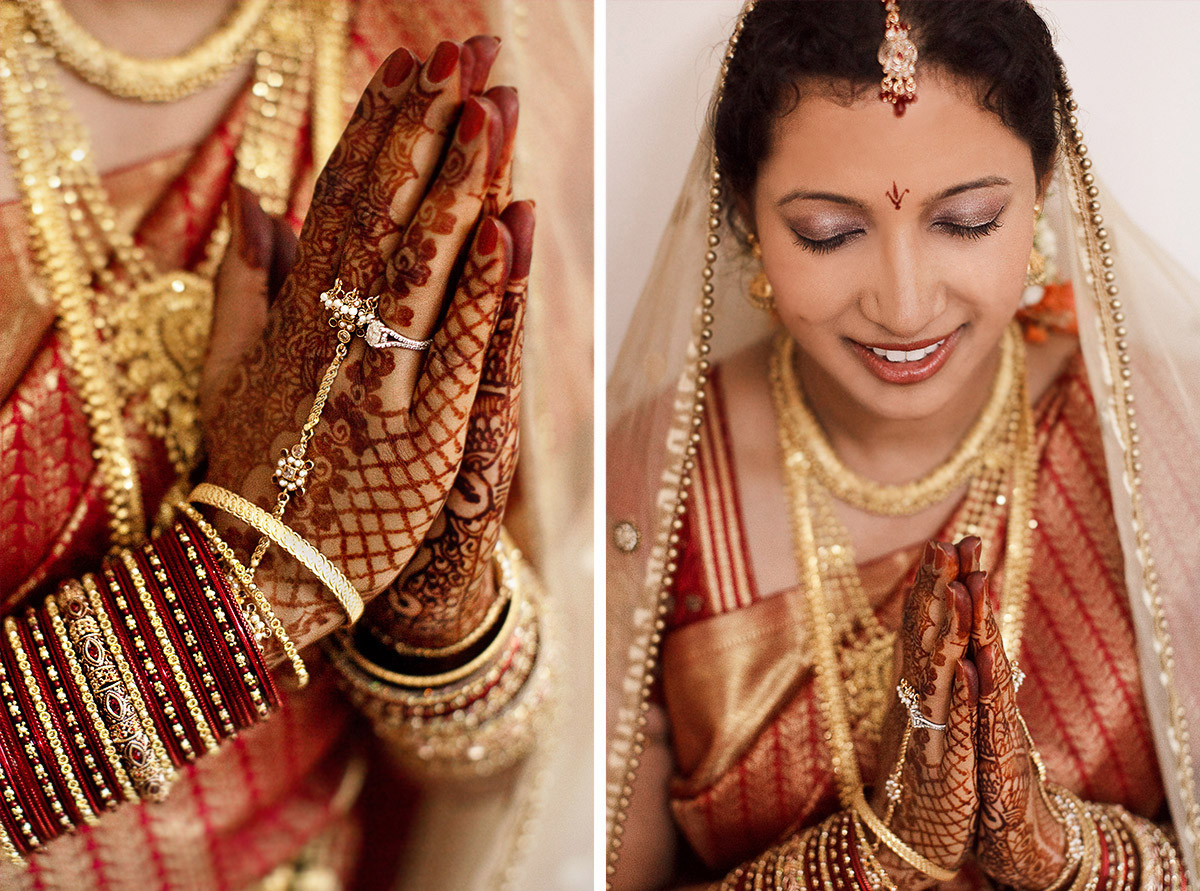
888	450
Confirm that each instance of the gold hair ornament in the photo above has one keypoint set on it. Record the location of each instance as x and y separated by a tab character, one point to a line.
898	56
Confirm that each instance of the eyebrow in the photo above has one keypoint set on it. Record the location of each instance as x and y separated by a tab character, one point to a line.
802	194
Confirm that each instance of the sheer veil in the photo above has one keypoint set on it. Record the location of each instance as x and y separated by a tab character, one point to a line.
1139	321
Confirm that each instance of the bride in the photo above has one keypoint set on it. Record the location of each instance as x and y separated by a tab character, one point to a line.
899	595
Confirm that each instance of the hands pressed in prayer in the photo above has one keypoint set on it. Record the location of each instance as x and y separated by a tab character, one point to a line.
938	804
415	450
972	789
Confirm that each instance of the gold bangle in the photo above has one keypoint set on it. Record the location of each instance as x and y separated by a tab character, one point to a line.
153	778
917	861
505	582
422	681
89	702
288	539
246	581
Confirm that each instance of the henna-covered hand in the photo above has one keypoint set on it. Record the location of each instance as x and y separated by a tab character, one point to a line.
938	806
1020	842
447	590
399	211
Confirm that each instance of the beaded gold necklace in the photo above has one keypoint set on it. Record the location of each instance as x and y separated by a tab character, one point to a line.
853	651
148	80
137	334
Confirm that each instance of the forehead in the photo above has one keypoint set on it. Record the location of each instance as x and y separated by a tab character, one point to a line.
944	138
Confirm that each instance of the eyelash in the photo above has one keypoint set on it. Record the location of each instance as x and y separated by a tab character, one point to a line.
824	245
973	231
827	245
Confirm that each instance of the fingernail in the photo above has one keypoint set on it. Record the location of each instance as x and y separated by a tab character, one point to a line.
399	66
962	608
489	234
473	117
928	556
443	63
968	553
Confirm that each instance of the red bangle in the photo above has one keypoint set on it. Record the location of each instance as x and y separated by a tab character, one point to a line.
257	679
24	775
196	666
37	668
220	660
119	597
100	775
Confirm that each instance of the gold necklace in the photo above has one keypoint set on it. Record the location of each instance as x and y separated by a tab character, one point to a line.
148	80
909	498
136	334
853	671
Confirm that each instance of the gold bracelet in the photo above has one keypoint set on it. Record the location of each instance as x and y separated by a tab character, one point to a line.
504	585
89	703
246	581
423	681
914	859
148	765
288	539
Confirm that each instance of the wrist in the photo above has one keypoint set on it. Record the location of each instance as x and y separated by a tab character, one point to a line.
474	719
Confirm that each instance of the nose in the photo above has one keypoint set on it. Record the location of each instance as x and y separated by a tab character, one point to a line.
907	297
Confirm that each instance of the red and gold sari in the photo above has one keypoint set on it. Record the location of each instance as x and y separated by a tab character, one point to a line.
752	763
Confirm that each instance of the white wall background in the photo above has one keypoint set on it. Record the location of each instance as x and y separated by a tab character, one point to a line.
1132	65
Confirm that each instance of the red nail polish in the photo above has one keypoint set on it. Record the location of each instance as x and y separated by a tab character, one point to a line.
928	556
489	234
443	63
399	66
472	120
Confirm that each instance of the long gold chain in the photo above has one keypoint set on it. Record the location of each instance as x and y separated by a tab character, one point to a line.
909	498
853	667
136	334
148	80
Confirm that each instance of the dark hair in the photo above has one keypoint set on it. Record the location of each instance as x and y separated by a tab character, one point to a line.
1001	46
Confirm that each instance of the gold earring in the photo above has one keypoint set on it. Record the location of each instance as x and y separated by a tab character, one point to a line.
761	295
1035	272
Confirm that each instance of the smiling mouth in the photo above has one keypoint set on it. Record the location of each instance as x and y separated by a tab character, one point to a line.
907	363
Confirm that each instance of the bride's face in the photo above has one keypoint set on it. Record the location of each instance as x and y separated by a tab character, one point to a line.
907	235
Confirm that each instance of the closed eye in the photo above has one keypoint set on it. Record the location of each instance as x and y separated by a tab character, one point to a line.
825	245
960	231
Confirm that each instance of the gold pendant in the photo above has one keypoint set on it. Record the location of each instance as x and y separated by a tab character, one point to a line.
866	657
159	336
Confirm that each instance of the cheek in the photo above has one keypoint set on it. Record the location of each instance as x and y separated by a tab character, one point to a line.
813	289
991	281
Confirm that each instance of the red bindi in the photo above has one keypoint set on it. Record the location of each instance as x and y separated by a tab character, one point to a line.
895	195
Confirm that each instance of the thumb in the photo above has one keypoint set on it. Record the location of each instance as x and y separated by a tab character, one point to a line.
242	289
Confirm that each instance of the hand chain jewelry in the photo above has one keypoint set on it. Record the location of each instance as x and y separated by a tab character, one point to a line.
350	314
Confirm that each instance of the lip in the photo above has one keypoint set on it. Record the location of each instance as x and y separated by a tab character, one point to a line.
907	372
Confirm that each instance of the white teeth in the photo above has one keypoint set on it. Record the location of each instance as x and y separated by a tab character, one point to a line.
909	355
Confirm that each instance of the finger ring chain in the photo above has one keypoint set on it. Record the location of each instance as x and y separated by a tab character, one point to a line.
351	314
908	695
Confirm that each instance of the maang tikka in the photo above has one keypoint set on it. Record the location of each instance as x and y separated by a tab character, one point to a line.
898	56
